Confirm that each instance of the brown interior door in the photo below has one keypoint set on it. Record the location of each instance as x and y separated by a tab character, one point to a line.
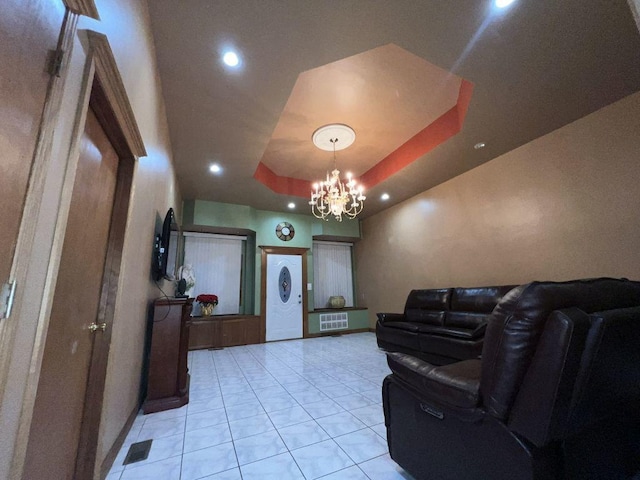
60	399
28	33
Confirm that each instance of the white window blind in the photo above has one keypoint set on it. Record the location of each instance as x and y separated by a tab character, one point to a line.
332	273
217	264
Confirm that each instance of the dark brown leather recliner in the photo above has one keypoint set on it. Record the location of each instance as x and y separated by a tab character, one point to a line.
556	394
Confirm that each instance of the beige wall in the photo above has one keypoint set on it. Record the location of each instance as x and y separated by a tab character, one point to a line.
563	206
127	26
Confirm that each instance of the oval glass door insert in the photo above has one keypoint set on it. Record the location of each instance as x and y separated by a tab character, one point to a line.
284	284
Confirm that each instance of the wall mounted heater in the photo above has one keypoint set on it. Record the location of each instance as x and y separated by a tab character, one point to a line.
334	321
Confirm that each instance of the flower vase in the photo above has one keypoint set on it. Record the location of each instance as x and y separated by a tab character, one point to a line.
336	301
206	309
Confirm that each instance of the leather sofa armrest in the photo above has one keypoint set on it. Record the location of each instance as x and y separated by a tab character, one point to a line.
541	410
479	331
390	317
456	385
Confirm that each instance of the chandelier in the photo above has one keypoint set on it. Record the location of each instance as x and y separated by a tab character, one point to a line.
333	196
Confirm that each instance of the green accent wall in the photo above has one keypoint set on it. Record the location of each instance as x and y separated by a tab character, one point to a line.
263	223
358	319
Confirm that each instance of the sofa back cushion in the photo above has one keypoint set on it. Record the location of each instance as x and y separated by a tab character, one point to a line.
479	299
427	306
517	322
468	320
471	307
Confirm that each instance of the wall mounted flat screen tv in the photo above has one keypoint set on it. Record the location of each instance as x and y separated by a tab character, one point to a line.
161	257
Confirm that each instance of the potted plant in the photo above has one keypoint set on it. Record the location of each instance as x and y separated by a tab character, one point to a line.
207	301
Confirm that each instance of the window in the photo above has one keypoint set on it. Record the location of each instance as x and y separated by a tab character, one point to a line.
217	263
332	273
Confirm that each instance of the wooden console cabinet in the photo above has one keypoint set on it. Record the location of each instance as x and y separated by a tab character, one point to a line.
224	331
168	378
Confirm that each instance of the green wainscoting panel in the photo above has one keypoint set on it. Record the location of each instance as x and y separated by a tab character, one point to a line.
358	319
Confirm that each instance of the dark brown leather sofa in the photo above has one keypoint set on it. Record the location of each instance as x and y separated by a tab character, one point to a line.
556	394
442	325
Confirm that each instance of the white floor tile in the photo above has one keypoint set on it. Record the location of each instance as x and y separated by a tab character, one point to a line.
380	429
233	474
291	416
278	467
383	468
168	469
238	412
323	408
302	434
340	424
362	445
350	473
161	428
251	426
321	459
352	401
206	437
257	447
369	415
206	419
208	461
202	405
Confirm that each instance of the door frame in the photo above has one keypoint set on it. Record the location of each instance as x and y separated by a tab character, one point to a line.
90	77
267	250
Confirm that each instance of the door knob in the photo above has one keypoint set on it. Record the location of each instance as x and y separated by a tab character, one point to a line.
97	326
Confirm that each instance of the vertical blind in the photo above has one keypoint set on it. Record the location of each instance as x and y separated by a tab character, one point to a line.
332	273
217	264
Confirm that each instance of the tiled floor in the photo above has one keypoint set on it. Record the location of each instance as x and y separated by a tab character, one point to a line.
299	409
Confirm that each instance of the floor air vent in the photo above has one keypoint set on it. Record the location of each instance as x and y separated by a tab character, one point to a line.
334	321
138	452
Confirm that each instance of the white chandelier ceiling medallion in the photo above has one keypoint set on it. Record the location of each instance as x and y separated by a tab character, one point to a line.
333	196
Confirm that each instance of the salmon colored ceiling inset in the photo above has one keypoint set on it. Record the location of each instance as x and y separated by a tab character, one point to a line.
399	105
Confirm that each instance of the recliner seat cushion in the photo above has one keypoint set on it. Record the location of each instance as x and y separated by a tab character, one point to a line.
457	384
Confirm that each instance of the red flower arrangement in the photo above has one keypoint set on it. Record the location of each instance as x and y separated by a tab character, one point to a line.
207	298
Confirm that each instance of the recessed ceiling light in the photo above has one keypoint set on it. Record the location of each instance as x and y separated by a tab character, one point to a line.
291	205
215	168
231	58
503	3
384	196
479	145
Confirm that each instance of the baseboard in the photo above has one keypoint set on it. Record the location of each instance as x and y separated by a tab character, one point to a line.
107	463
337	332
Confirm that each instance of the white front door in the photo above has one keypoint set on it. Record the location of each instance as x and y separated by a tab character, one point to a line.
284	297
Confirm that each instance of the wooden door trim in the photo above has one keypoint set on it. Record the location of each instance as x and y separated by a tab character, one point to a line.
269	250
31	237
110	103
83	7
113	107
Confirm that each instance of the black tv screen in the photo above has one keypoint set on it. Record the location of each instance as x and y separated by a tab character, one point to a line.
161	247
